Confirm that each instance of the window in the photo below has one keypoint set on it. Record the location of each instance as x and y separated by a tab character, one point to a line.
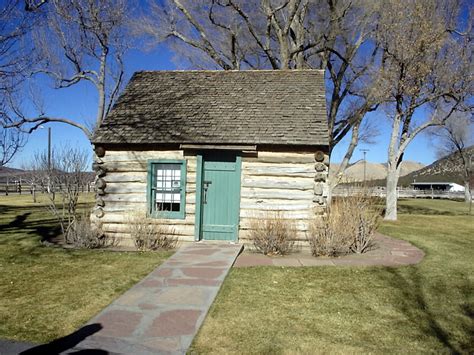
167	182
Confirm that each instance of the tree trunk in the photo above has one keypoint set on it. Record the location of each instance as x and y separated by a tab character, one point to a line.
337	176
467	192
331	187
391	194
101	85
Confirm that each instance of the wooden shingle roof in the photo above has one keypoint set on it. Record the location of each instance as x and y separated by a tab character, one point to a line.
220	107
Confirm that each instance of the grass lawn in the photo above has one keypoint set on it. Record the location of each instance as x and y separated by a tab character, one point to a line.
46	292
428	307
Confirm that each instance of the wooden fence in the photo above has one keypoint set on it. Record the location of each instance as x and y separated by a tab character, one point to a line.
344	191
19	188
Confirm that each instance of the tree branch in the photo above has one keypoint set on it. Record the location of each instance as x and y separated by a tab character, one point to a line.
38	121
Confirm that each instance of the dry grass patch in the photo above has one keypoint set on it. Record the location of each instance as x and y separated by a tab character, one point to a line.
49	292
425	308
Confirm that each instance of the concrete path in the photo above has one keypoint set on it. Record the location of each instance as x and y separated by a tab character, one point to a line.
388	252
163	312
11	347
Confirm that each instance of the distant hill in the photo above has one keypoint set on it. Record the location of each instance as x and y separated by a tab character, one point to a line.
374	171
9	171
447	169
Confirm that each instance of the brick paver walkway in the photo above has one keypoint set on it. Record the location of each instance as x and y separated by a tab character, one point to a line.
163	312
388	252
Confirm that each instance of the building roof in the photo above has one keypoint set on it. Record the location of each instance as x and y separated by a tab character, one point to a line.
433	183
273	107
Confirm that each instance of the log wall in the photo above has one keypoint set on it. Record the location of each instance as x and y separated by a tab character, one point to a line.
288	184
125	192
293	184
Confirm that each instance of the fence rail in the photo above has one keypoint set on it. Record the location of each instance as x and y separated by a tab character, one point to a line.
17	188
343	191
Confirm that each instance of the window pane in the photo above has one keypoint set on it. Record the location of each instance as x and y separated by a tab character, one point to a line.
168	187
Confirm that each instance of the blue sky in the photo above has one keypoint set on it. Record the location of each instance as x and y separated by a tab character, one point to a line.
79	103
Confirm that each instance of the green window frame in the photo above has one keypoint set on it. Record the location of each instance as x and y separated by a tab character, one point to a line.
166	188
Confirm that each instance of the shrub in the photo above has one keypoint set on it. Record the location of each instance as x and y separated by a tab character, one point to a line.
273	235
327	236
83	234
148	234
347	226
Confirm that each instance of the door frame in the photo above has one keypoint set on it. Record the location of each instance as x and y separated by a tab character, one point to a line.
199	185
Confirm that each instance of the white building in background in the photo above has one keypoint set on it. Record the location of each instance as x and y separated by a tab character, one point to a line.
439	186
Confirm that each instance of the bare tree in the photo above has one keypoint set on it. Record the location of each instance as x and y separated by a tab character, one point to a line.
80	41
34	176
426	72
454	138
335	35
15	56
11	141
66	176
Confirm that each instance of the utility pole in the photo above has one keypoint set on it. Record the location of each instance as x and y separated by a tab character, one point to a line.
469	183
49	160
364	151
49	148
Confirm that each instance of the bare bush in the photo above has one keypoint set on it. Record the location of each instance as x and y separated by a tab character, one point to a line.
348	226
366	212
327	236
273	235
85	235
149	234
62	175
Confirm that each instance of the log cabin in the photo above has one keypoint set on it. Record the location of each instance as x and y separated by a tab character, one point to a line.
208	151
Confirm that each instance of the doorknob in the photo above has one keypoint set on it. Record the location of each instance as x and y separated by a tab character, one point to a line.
205	187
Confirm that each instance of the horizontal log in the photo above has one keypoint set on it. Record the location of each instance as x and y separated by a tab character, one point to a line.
303	196
284	184
278	171
127	206
126	218
245	235
126	187
261	214
135	165
124	240
270	154
175	229
278	205
252	200
140	197
279	167
126	166
299	226
198	147
131	197
126	177
278	159
137	155
118	206
136	187
190	209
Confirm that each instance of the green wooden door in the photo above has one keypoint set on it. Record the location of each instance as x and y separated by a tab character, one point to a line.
220	196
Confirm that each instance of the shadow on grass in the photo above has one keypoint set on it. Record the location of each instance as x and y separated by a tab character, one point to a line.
16	221
19	221
413	303
20	229
404	209
68	342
